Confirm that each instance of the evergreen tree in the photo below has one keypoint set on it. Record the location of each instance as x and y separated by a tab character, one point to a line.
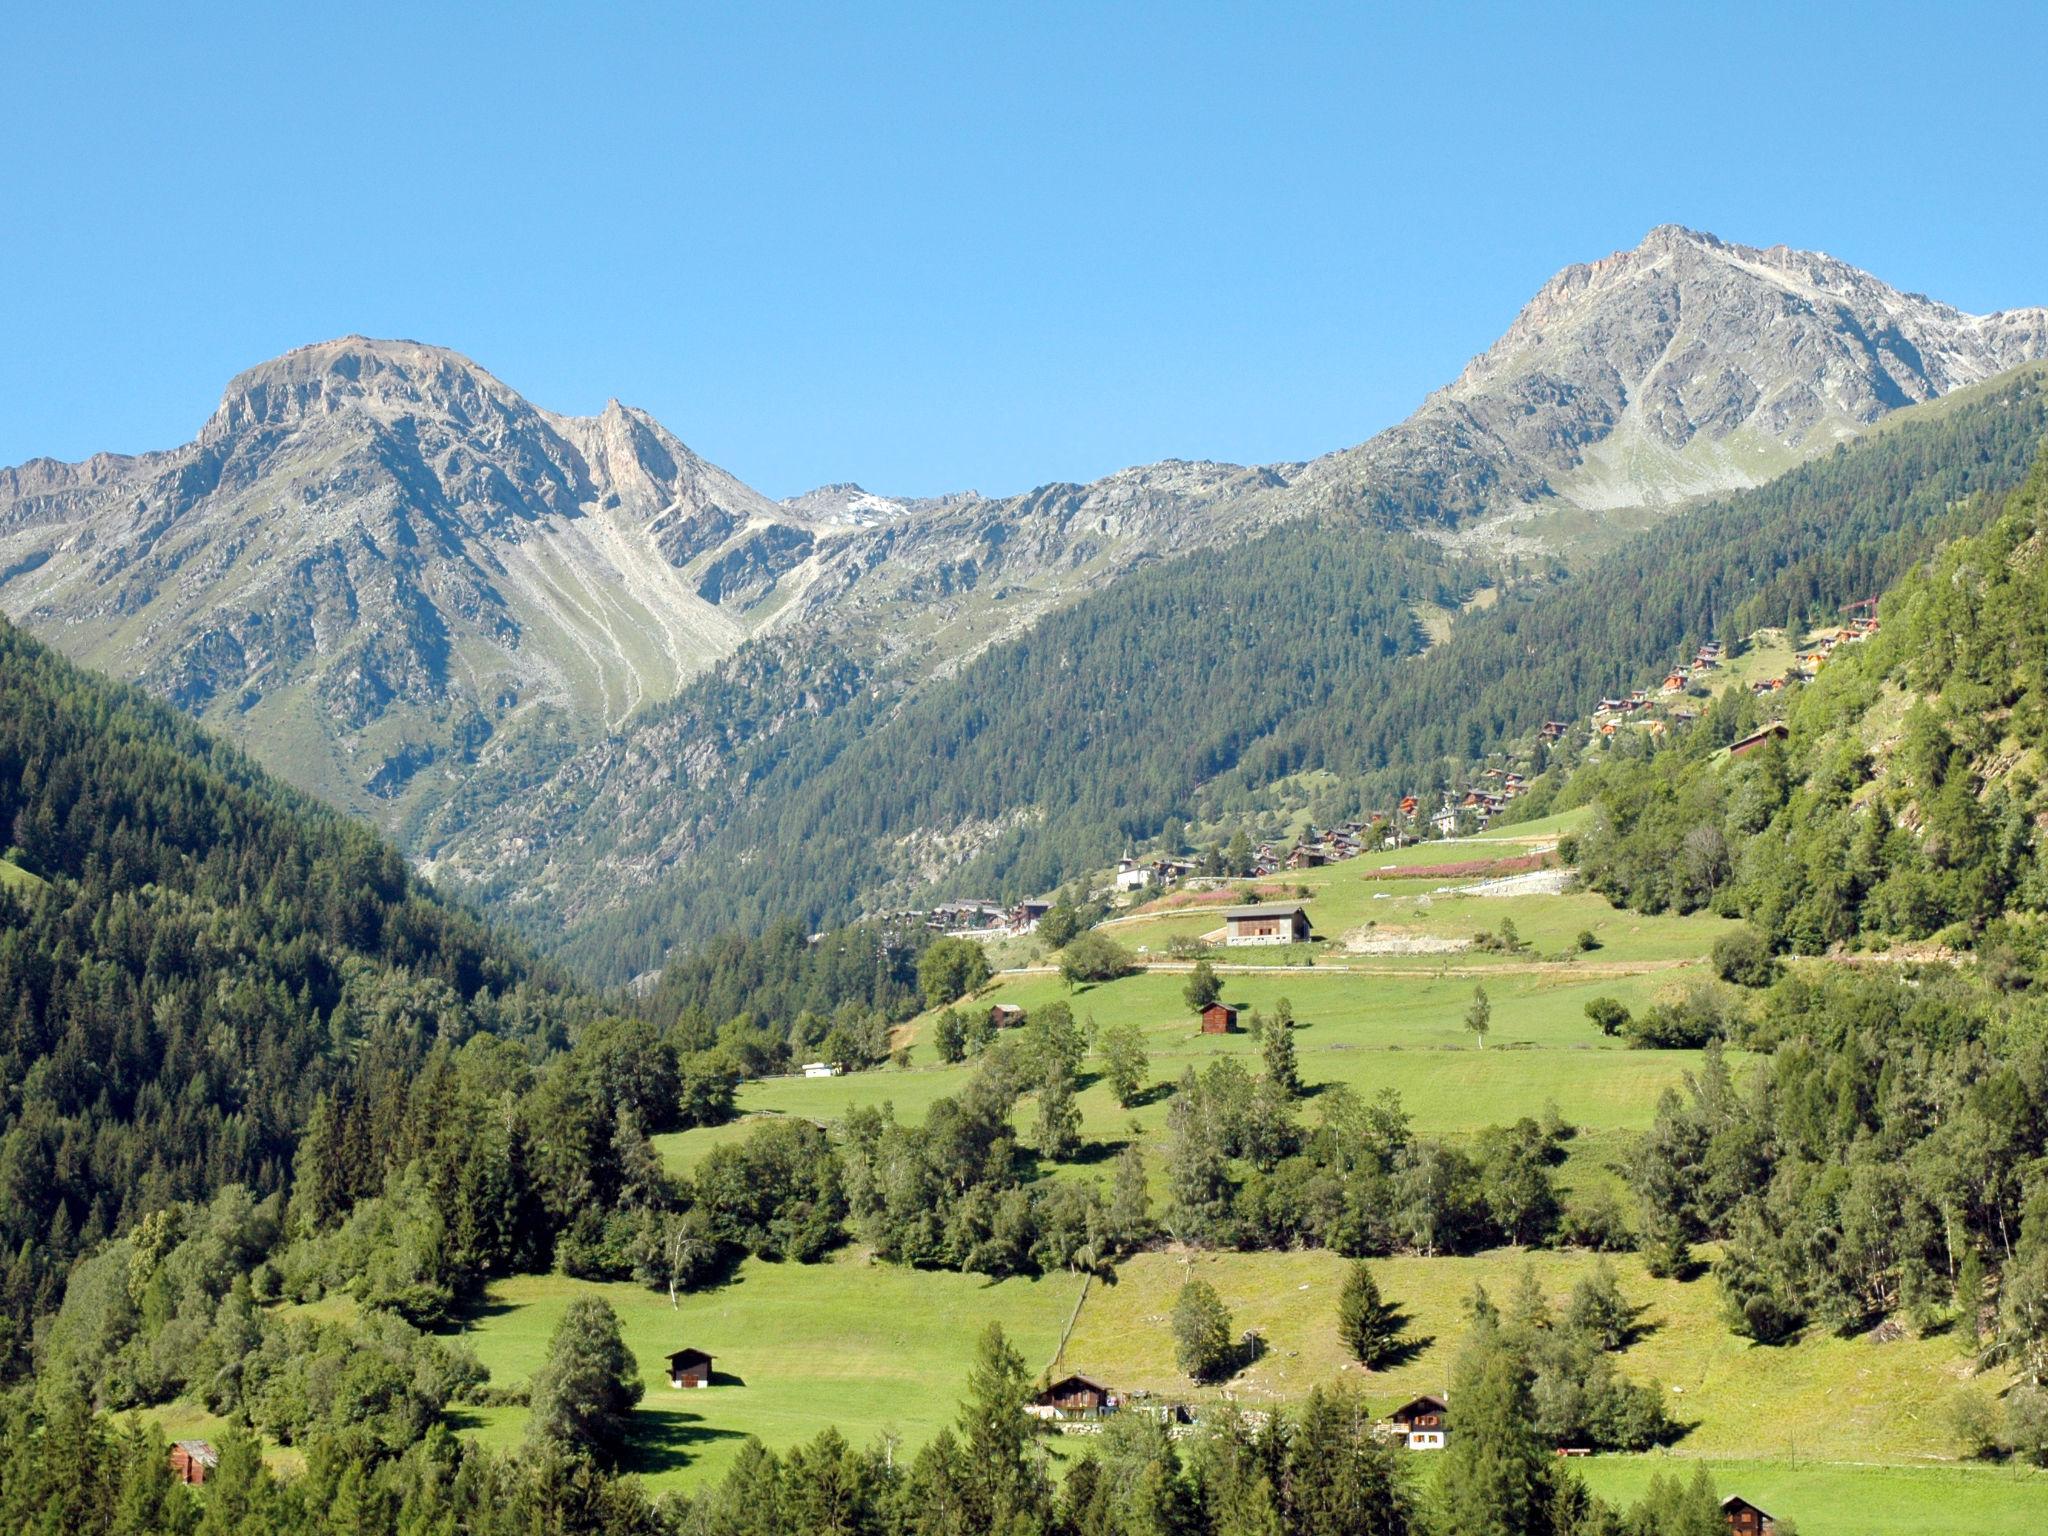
1059	1117
1005	1489
1276	1046
1369	1326
585	1391
1130	1201
1201	1331
1496	1474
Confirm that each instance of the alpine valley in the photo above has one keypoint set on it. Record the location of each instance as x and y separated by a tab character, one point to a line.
1490	983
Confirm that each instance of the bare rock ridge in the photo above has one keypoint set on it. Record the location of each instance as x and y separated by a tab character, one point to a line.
411	590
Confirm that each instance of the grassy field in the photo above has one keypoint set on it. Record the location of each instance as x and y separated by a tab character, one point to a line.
1368	1032
1825	1499
871	1348
14	875
1824	1397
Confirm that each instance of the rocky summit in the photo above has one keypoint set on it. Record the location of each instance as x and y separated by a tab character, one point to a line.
406	587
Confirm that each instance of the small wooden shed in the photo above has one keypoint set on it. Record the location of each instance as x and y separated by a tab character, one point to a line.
193	1460
1219	1019
1005	1016
689	1368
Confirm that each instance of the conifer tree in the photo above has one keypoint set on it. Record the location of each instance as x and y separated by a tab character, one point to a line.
1369	1326
1276	1045
1059	1118
1201	1331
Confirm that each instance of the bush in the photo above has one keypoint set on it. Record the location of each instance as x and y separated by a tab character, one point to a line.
1092	957
951	968
1608	1014
1744	957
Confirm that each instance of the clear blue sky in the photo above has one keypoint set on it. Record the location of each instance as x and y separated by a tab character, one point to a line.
930	247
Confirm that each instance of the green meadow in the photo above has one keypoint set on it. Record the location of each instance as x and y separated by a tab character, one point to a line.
872	1348
12	874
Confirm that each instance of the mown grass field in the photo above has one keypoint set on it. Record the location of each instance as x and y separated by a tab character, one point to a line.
1825	1499
1824	1397
871	1348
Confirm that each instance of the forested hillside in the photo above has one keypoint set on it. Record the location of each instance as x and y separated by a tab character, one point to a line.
1195	683
204	957
1097	727
1906	799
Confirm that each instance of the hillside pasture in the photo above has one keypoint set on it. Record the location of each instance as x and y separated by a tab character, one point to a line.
871	1348
1822	1396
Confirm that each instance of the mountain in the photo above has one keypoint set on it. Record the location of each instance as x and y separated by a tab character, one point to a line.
1186	691
412	591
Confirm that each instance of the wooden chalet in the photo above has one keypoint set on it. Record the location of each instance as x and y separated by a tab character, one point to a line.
1553	730
1074	1397
1744	1518
1219	1019
193	1461
1423	1423
1025	915
1005	1016
1675	681
689	1368
1775	731
1306	857
1410	805
1265	925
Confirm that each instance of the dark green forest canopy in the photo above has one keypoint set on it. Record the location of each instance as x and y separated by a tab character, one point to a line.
1189	686
208	954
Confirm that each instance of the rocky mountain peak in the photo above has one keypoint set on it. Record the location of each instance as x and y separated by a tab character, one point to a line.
383	379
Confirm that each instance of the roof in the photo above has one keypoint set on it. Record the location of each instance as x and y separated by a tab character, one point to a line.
689	1357
1078	1380
1277	909
1427	1403
201	1451
1219	1004
1737	1501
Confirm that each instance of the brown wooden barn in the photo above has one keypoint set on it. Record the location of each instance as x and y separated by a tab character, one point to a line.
689	1368
1074	1397
1005	1016
1744	1518
193	1460
1219	1019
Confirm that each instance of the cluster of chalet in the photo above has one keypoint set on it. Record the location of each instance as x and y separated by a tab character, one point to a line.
977	918
1135	874
1861	626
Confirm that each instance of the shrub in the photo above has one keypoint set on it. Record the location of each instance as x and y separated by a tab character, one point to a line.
1744	957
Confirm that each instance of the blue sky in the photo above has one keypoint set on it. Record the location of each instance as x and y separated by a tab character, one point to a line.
935	247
